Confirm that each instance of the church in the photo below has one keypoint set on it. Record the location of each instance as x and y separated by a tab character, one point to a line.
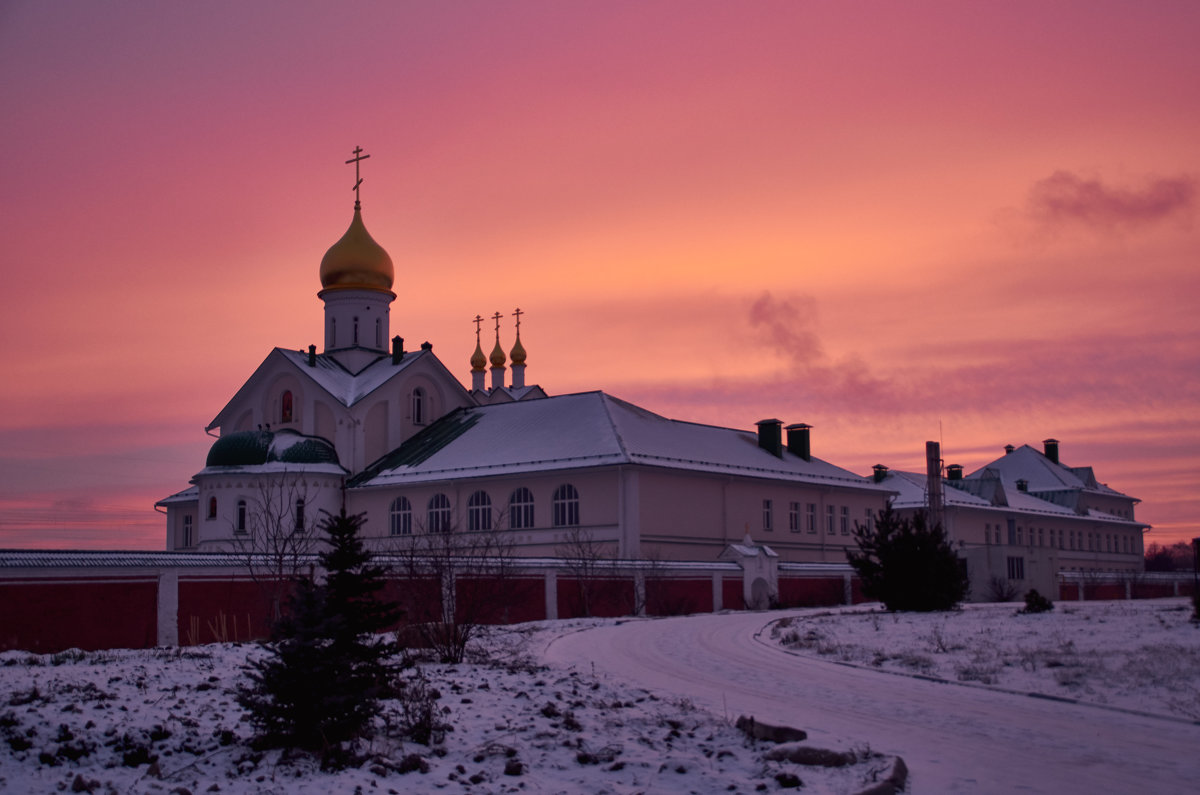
392	434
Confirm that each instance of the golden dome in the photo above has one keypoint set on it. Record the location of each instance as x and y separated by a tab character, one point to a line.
478	360
518	352
356	262
497	355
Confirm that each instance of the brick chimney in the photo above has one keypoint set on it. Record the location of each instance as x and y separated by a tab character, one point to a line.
879	473
954	472
1051	447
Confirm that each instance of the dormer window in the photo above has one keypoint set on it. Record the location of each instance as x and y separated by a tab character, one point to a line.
285	407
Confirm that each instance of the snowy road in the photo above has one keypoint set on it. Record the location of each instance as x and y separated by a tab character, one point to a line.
955	739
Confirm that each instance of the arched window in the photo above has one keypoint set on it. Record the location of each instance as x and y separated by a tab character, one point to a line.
520	509
300	515
566	506
212	507
188	537
400	517
378	333
241	516
479	512
355	331
439	514
418	406
332	333
285	406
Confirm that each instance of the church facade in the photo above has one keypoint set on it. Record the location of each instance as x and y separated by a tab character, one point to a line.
367	425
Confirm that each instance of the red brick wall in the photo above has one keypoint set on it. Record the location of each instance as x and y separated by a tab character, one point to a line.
731	594
677	597
107	613
216	609
856	593
810	591
492	600
606	597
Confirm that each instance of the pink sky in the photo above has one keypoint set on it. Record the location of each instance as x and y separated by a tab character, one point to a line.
893	221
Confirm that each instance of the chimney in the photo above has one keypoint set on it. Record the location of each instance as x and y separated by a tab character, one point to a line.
427	345
1008	448
879	473
312	355
1051	446
798	441
1022	485
397	349
954	472
769	436
933	474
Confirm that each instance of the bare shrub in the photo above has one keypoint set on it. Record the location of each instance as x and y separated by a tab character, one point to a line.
464	580
1000	589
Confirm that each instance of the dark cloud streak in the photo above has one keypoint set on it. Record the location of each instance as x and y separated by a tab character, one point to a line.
1065	198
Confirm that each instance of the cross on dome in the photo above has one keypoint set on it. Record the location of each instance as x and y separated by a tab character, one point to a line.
358	158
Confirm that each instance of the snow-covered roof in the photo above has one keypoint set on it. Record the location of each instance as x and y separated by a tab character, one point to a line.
331	376
190	494
1043	475
911	494
346	387
589	429
75	559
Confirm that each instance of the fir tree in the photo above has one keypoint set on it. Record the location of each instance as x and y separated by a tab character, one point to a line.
320	686
908	565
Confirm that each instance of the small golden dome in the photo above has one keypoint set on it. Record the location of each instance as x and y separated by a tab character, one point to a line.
357	261
497	355
478	360
518	352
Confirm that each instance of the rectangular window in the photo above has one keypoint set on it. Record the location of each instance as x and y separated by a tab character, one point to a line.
794	517
829	520
869	522
767	516
1041	536
845	520
1012	532
1016	568
811	519
187	531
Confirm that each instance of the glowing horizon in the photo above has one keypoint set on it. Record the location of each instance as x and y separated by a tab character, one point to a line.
972	224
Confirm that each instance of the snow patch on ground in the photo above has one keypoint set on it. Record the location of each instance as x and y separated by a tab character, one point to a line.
1137	655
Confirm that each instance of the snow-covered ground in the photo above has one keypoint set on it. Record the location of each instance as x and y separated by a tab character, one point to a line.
955	737
167	721
1140	655
646	706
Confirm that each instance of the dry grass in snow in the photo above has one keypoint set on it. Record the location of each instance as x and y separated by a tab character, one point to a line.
1137	655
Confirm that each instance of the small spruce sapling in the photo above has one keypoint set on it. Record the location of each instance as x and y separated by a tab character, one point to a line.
320	685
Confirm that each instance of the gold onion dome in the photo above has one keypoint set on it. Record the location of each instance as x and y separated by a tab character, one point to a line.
478	360
356	261
518	353
497	355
